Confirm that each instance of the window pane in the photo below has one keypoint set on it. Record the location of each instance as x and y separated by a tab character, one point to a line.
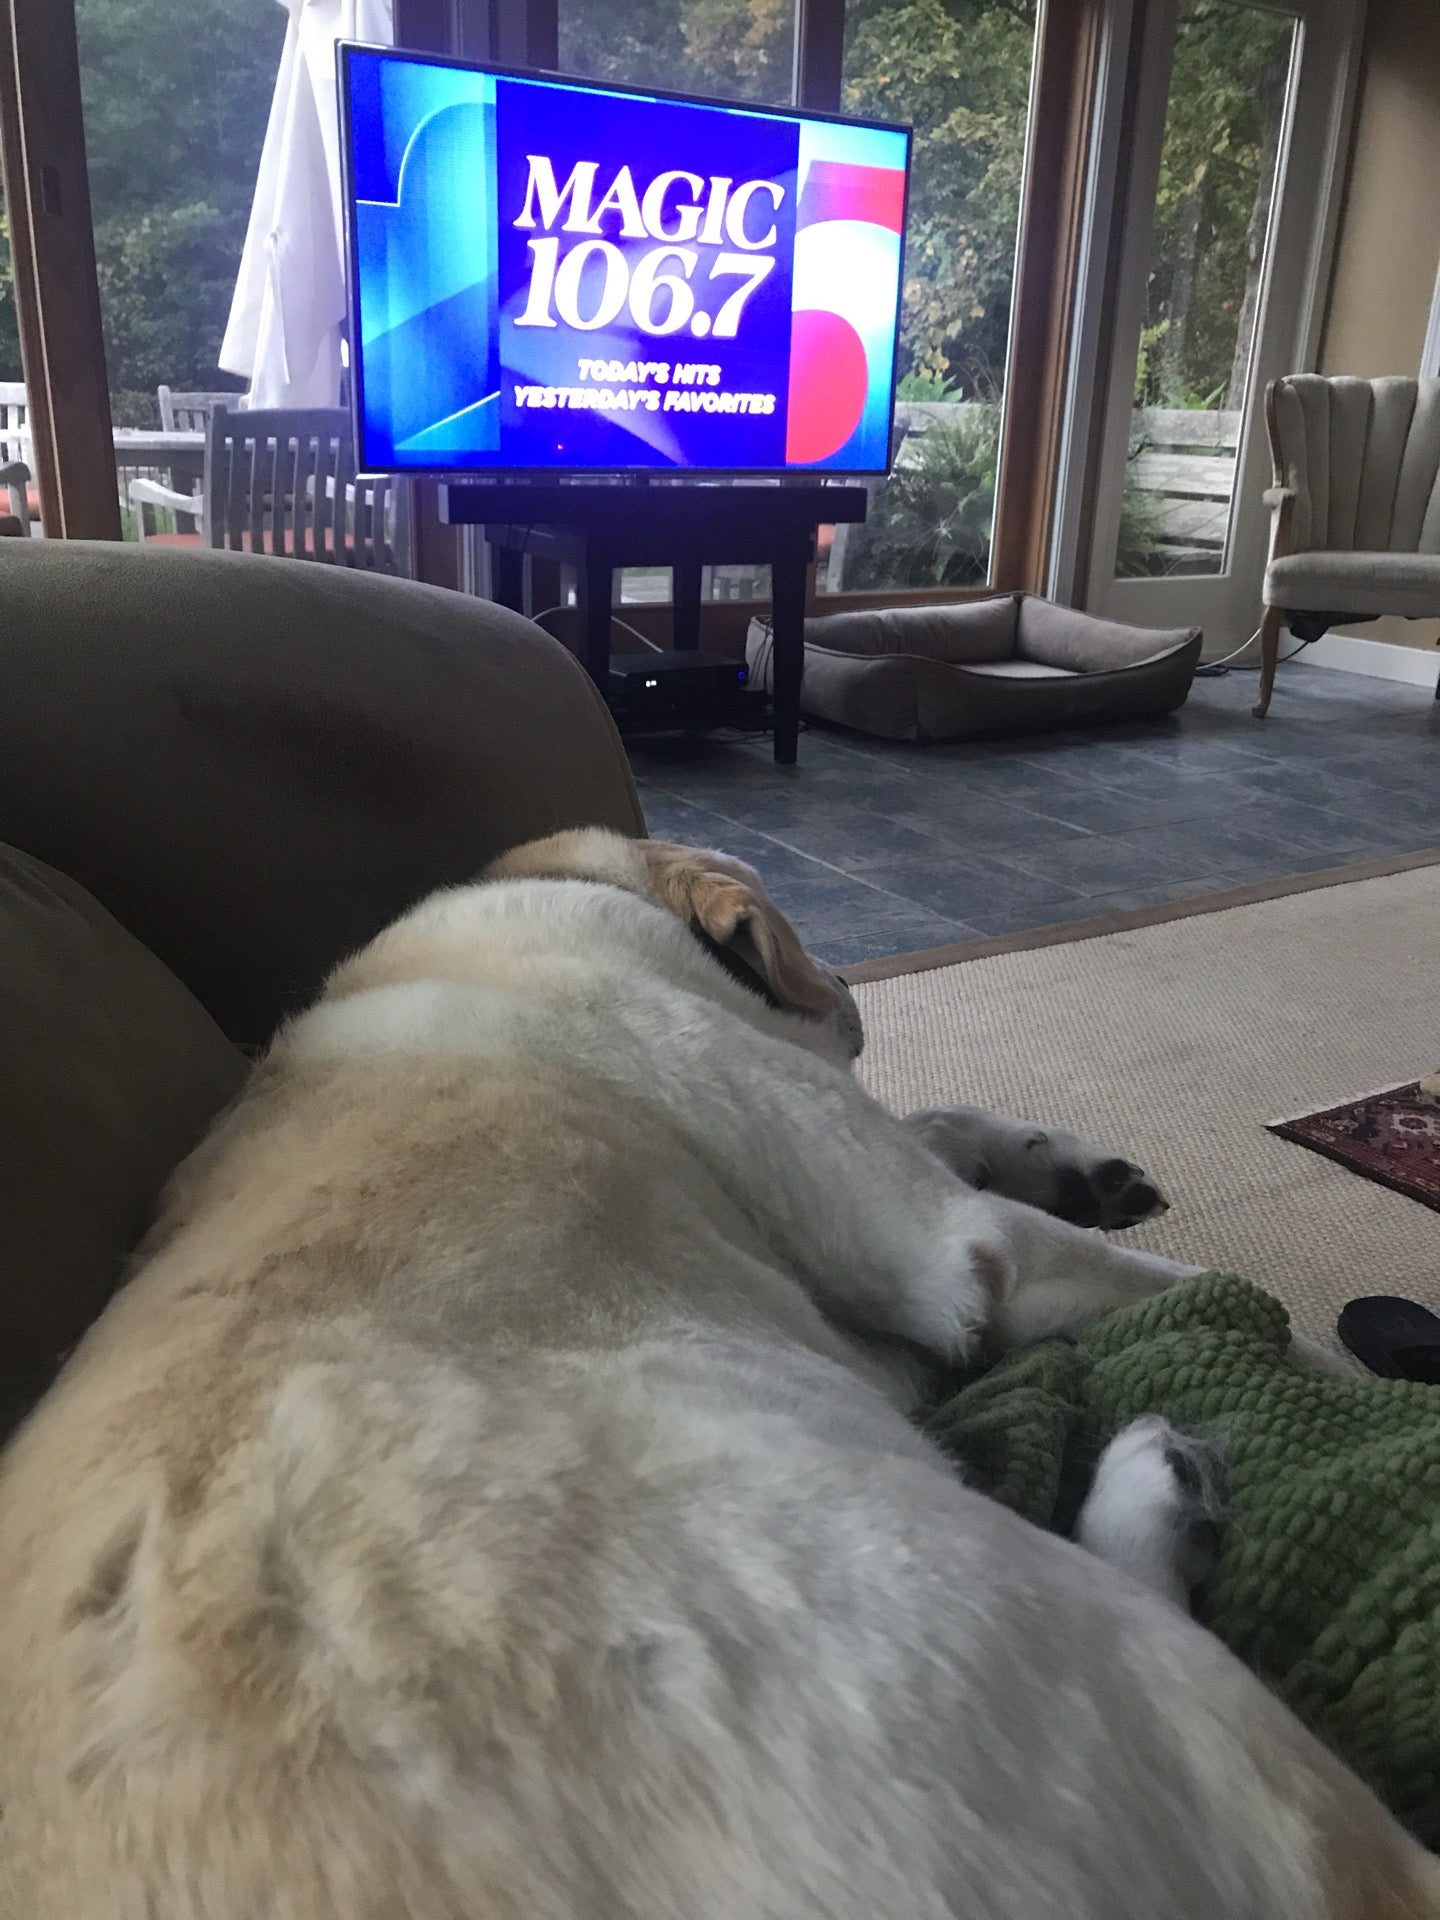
960	74
9	322
19	506
176	95
17	498
1212	216
733	49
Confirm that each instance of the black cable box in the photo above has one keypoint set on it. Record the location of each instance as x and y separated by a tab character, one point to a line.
658	679
682	690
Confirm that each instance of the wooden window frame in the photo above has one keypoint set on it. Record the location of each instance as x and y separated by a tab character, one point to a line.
1069	36
57	296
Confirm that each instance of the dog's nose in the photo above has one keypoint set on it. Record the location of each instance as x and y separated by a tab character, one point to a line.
847	1013
1113	1175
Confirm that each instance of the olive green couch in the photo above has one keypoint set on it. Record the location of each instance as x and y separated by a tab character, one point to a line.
218	774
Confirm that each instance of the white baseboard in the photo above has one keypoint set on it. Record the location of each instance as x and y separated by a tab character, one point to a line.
1381	659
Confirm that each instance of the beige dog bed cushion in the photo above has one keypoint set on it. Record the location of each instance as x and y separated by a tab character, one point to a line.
1012	662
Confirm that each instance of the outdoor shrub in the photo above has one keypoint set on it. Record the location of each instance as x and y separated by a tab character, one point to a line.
929	525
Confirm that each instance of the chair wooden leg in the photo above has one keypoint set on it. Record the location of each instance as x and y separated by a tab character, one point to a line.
1269	654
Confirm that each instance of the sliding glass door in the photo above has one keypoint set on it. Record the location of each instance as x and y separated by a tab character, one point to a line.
1233	174
961	76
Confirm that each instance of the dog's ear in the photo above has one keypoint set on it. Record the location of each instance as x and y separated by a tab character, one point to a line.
720	899
729	909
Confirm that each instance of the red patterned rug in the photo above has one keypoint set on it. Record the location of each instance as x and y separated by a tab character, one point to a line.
1392	1137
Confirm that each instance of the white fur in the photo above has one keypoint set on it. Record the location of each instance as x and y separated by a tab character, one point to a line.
496	1497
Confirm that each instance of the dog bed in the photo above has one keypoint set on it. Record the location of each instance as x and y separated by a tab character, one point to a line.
1009	663
1328	1578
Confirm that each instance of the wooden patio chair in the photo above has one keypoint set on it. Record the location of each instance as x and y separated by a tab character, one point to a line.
189	412
283	481
16	482
15	492
14	420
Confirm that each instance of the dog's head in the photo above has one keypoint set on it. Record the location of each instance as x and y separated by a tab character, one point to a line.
721	901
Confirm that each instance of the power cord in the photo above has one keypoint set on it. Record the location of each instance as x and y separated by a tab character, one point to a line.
635	633
615	621
1217	669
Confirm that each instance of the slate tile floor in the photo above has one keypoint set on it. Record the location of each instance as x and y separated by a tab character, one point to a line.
876	848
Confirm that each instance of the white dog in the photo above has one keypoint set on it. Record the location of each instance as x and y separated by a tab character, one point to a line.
493	1495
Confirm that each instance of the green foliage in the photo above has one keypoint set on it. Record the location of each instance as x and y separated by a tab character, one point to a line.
733	49
929	526
959	72
9	322
1226	97
925	387
1142	528
1147	359
166	279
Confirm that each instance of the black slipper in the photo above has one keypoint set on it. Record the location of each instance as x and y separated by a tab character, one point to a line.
1394	1337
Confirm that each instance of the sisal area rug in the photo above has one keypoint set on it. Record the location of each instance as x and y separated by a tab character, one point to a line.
1392	1136
1176	1036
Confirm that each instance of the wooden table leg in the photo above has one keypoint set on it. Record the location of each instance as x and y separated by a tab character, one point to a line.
507	576
1269	658
787	599
685	604
595	581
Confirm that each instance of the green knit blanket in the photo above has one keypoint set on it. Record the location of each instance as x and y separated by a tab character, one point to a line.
1328	1581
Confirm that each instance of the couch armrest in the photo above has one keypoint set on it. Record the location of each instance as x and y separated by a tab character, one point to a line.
268	760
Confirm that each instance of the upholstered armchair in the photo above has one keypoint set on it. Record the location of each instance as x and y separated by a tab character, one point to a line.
1356	505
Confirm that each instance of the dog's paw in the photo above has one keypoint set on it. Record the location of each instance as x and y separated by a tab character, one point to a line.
1155	1508
1043	1166
1098	1189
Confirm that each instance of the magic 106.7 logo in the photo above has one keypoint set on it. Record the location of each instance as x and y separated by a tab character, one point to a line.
588	282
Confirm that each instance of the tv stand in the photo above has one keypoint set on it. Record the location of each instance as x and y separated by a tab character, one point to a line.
596	529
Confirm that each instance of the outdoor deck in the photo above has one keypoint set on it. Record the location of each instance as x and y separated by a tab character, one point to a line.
1184	459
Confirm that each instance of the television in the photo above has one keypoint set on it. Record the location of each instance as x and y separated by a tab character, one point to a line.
557	276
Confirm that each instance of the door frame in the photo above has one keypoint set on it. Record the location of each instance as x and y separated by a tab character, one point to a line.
1127	139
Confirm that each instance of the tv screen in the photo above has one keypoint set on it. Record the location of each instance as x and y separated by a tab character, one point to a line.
551	275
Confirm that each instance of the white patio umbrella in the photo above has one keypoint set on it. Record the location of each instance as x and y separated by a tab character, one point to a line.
287	317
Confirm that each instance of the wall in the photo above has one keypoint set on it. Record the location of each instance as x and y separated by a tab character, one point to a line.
1388	246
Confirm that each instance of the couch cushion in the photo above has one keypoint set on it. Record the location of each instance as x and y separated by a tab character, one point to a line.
1371	584
110	1071
1020	670
255	764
